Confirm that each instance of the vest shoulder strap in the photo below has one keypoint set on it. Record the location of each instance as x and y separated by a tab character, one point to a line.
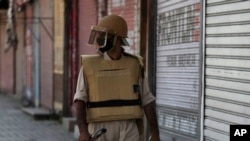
140	59
89	57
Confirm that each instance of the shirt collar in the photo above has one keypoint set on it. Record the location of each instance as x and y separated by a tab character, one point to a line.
106	56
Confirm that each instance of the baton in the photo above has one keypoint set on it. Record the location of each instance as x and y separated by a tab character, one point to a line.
98	133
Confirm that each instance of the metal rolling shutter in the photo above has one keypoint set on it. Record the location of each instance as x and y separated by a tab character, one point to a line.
227	77
178	69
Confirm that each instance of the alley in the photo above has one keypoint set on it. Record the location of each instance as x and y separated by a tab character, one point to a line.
15	125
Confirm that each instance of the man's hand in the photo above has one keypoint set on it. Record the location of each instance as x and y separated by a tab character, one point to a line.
85	136
155	137
152	119
81	121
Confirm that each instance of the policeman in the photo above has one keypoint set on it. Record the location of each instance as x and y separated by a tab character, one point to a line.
111	92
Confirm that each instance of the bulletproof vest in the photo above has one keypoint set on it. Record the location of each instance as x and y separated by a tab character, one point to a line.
113	88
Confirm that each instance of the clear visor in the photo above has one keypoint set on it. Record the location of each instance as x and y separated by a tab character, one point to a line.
125	42
98	38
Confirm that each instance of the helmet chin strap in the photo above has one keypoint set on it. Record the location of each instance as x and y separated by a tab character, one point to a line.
113	44
109	46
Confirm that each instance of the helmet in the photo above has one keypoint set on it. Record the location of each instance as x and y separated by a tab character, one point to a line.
116	24
111	24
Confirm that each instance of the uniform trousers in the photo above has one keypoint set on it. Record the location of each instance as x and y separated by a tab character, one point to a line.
124	130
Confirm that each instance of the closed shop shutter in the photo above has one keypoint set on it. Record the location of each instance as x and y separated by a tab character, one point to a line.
178	69
227	77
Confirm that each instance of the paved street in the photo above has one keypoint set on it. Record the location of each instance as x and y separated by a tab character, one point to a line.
15	125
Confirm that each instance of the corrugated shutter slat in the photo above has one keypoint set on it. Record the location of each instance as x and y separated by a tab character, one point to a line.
227	74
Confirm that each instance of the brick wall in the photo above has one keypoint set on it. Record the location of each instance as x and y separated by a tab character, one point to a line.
87	18
128	9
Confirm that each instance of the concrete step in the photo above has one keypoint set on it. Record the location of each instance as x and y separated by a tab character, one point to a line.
38	113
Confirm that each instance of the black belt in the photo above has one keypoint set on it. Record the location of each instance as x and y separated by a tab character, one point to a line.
113	103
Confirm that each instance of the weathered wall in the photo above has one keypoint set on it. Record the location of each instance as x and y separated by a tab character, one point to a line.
6	59
20	55
87	18
46	52
28	53
129	10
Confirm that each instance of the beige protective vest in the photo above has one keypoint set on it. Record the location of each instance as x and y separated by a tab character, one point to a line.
113	88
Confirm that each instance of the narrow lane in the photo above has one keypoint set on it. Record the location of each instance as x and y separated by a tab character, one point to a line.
15	125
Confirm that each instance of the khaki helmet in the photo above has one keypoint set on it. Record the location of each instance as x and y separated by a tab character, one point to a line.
111	24
116	24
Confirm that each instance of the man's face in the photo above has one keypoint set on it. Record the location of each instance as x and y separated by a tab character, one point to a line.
101	39
108	44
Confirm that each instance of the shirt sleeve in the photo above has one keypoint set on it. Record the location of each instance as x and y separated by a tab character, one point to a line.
81	92
147	96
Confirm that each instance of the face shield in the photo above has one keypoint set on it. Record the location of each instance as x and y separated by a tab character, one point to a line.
98	36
